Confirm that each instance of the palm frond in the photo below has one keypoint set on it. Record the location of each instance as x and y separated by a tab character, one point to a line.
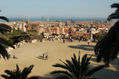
62	73
66	65
17	67
74	60
62	77
71	66
95	69
4	76
74	56
84	65
9	72
4	52
4	28
79	58
114	15
84	59
76	65
17	71
60	66
115	5
16	39
5	42
17	74
4	18
27	70
34	77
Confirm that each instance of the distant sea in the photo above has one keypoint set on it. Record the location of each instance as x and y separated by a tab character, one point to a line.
57	19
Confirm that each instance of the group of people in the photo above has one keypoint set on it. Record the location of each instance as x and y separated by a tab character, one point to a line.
45	55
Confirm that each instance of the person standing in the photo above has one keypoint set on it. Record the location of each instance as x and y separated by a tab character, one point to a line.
43	55
88	42
63	40
46	55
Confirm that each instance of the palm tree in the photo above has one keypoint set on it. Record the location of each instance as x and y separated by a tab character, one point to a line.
19	36
18	74
114	15
3	42
4	28
107	48
76	69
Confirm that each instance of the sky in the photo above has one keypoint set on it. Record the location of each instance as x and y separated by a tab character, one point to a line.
57	8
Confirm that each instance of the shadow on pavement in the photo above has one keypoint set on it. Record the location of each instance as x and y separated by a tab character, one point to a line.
83	47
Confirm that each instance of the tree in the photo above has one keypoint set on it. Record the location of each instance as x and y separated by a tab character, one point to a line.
3	42
18	36
107	48
76	69
18	74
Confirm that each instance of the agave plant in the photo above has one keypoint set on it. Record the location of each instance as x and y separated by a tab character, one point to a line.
18	74
107	48
76	69
3	42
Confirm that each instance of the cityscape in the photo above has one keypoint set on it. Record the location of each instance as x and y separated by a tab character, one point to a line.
59	39
68	28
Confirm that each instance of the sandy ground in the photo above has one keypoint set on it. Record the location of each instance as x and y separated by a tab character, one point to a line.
27	54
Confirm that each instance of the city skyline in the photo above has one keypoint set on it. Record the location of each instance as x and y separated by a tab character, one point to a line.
56	8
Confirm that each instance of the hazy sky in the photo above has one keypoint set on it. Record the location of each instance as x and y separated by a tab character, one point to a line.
56	8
